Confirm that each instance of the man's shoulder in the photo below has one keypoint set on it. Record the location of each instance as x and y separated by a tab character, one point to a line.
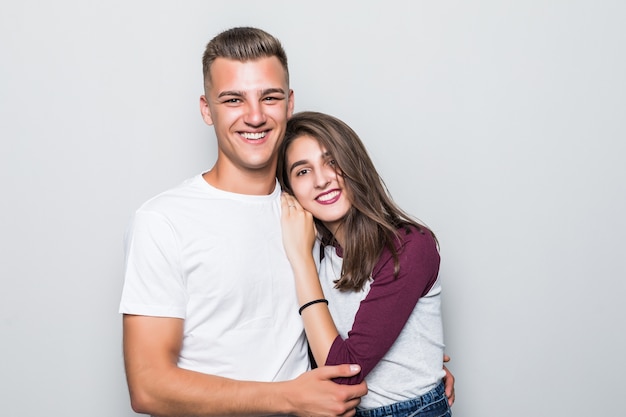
180	194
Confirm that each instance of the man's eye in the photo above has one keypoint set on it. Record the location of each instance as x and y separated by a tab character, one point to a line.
230	100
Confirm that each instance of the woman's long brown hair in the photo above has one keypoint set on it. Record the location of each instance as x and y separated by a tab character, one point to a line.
373	221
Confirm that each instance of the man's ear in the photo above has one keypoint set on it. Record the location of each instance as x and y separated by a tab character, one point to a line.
205	110
290	104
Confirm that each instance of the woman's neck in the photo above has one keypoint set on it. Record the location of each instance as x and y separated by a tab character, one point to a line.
338	232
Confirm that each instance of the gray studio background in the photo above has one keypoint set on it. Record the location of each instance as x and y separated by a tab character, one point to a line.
501	124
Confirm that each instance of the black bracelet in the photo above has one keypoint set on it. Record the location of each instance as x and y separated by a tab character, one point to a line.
310	303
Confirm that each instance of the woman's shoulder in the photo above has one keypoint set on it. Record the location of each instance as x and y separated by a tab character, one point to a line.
412	234
417	243
416	249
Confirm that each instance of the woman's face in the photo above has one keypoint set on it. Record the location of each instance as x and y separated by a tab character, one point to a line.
316	181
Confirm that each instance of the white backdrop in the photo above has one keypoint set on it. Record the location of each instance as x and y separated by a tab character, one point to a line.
500	124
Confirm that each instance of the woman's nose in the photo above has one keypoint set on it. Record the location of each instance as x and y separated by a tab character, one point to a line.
322	179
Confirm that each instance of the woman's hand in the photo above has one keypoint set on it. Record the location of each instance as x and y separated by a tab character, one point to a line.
298	239
298	230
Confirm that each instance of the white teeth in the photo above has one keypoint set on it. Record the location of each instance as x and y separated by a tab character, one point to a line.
253	136
328	196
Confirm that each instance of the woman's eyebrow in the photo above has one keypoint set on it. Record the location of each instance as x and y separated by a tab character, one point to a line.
297	164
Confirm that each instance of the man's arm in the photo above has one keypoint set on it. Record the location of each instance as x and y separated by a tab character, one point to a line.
158	386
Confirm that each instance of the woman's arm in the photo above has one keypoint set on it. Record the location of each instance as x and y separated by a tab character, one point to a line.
381	315
389	303
298	237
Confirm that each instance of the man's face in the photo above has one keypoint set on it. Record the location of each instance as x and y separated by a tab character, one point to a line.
248	103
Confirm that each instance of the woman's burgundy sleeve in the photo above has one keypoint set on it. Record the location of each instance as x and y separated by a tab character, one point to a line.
388	305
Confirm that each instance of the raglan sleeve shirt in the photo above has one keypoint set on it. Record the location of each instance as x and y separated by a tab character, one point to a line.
389	303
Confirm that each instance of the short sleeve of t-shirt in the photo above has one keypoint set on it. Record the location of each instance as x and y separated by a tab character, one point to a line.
153	283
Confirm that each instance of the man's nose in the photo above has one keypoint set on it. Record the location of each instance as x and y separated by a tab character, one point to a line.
255	116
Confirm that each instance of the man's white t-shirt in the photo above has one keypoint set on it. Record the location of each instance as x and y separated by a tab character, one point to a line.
216	260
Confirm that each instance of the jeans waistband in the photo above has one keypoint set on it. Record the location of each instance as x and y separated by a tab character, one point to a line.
406	407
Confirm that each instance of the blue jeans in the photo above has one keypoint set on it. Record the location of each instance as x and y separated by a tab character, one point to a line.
432	404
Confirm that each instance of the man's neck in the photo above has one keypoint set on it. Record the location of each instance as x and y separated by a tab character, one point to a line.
262	182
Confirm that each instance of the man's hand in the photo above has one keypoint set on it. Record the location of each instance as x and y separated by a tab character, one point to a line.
448	380
314	394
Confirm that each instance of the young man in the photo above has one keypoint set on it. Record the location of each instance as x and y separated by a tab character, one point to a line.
210	313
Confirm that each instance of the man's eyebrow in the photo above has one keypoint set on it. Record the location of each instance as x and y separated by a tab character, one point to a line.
231	93
272	91
237	93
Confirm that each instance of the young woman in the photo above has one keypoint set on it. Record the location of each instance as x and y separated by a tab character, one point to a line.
376	301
